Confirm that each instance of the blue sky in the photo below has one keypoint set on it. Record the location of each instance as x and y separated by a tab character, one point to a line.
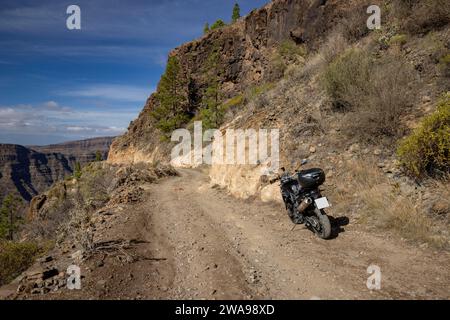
58	84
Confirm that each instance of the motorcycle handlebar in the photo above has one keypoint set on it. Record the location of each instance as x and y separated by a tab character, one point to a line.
272	181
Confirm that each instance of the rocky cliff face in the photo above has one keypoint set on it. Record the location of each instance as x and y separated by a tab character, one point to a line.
29	171
245	51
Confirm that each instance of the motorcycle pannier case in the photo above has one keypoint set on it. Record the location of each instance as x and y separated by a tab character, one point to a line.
312	178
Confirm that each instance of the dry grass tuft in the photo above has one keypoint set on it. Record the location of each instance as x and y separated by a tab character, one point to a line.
374	93
421	16
382	205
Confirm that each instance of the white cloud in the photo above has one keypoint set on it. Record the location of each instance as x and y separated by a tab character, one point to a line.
111	92
51	104
52	120
96	129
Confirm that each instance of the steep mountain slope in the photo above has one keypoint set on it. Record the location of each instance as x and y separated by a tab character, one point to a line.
244	52
29	171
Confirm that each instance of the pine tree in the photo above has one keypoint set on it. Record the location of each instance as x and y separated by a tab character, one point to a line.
170	113
206	28
77	171
236	12
212	111
9	220
98	156
218	24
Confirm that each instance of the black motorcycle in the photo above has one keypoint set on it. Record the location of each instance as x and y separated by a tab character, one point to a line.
303	200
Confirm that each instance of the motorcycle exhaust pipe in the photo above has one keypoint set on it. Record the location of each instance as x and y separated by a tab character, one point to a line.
304	205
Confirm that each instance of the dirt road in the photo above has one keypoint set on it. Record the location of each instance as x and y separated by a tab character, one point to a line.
195	242
220	247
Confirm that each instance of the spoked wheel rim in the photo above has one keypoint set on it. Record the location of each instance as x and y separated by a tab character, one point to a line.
316	226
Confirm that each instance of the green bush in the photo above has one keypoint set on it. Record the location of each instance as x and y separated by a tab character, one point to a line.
287	53
252	93
444	64
218	24
15	258
399	39
427	150
234	102
289	49
347	75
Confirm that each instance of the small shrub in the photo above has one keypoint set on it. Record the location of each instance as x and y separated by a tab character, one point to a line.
354	25
234	102
335	44
346	77
374	93
422	16
444	64
254	92
289	49
212	117
15	258
399	40
218	24
427	150
296	74
287	53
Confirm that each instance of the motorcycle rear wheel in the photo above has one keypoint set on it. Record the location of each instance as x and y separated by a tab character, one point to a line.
324	229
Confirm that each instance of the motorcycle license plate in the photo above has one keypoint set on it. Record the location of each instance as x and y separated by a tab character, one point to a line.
322	203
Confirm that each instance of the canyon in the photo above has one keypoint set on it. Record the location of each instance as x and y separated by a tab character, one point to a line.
28	171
